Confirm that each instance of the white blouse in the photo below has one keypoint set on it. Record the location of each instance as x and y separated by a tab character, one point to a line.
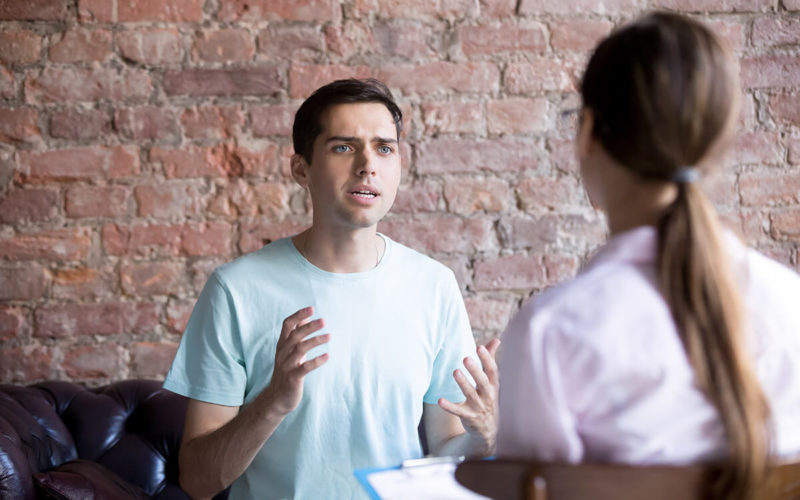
594	370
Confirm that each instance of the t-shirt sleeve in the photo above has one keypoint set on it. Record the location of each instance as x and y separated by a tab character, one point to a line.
535	418
456	343
209	365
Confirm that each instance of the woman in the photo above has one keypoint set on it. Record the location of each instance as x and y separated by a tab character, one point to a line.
675	343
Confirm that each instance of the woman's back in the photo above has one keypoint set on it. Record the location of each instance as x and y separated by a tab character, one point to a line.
599	372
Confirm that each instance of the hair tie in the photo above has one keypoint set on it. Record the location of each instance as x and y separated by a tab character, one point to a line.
686	175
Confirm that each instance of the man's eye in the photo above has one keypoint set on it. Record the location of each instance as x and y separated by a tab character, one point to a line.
385	150
341	148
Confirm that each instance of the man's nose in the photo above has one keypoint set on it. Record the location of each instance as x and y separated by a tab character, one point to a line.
365	165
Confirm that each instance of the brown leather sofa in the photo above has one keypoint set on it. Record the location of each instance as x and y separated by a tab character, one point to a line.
62	440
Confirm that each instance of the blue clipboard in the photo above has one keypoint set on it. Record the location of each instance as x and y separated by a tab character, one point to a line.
361	475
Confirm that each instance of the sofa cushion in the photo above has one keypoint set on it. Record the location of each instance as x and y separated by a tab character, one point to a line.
83	479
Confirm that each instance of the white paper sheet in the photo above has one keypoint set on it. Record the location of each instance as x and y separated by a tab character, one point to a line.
427	482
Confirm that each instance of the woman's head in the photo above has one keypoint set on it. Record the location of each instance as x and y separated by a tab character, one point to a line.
661	96
663	93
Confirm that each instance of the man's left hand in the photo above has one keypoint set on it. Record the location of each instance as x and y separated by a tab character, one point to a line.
478	413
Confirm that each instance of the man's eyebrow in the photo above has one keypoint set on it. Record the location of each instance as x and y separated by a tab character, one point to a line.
346	138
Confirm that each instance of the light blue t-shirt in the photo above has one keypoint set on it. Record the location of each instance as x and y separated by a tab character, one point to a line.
397	333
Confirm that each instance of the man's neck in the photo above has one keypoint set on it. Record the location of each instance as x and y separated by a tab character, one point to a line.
353	251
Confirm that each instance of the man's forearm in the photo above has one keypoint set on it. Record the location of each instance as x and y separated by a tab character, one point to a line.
466	445
210	463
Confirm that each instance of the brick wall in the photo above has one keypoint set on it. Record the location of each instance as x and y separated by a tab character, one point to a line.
144	143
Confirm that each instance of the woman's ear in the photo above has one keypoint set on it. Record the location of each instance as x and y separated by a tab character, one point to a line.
299	168
585	137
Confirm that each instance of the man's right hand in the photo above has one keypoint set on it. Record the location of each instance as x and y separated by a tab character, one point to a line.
285	390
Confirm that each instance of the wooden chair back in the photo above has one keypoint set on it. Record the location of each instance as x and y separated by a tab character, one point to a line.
509	479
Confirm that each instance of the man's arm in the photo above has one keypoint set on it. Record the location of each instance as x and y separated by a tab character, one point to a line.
220	442
468	428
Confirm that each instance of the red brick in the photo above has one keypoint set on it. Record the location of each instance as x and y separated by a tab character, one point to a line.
770	31
758	147
421	197
28	205
785	108
26	364
174	11
19	125
22	283
83	282
263	81
441	233
546	193
538	7
518	116
258	159
278	10
305	79
439	76
151	359
562	156
272	199
154	46
178	313
94	361
770	71
794	150
791	5
20	47
460	265
489	314
732	32
785	224
201	269
769	187
498	8
579	34
416	9
34	10
506	37
406	39
224	45
346	40
146	240
55	244
469	155
69	84
79	124
523	272
72	320
234	198
292	42
84	163
96	11
753	225
256	234
560	231
188	161
272	120
453	118
12	320
222	160
207	238
538	76
8	87
146	122
712	5
466	196
168	199
81	45
152	278
212	122
97	201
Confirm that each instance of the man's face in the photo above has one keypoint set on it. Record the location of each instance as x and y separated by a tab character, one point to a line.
355	166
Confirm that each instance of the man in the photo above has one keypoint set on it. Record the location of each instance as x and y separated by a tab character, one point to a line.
318	354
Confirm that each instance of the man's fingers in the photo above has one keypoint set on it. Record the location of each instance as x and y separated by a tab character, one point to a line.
489	364
493	346
291	322
295	357
303	331
480	378
455	409
310	365
465	386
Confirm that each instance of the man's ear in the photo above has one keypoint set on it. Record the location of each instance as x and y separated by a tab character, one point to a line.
299	168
